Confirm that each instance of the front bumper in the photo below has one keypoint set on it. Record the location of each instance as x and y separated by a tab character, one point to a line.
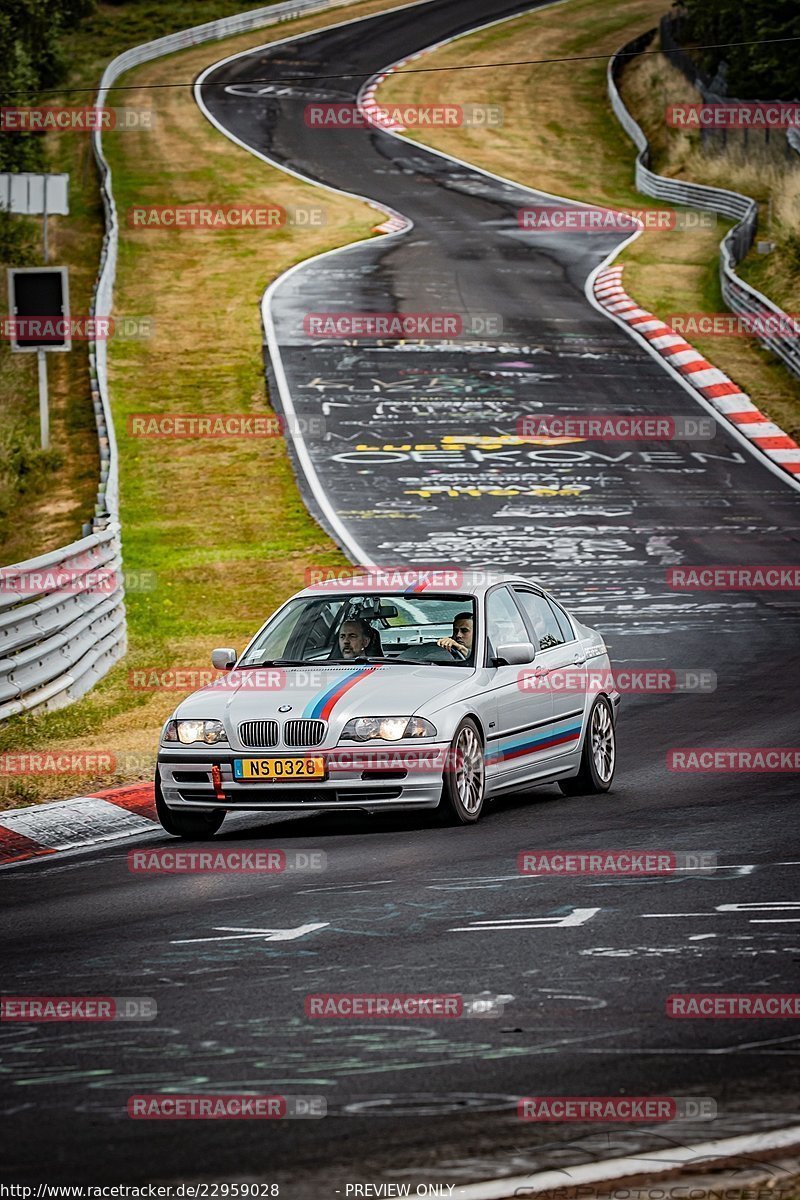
391	777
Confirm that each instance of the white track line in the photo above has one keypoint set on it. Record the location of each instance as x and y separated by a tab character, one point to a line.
341	533
346	540
369	86
648	1163
719	417
614	1168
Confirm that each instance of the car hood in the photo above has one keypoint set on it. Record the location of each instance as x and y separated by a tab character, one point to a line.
332	693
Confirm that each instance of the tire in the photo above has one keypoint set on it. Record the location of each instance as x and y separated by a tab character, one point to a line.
599	756
198	826
464	782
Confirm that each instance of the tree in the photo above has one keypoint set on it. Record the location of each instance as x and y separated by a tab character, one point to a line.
764	70
31	33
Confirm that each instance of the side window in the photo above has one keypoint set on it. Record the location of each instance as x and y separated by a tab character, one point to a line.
503	621
564	623
542	617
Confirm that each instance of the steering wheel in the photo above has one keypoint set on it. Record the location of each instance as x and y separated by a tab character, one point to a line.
429	652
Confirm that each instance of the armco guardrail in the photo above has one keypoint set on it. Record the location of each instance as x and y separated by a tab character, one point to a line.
738	295
256	18
698	79
62	623
62	615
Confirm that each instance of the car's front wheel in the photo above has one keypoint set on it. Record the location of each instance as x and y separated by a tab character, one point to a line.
199	826
599	756
464	784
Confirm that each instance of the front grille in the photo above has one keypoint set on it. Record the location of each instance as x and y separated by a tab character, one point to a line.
256	734
304	733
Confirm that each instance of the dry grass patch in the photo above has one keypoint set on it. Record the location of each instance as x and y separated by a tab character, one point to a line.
220	522
560	135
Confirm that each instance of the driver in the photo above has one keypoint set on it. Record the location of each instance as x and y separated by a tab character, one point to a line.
461	641
354	638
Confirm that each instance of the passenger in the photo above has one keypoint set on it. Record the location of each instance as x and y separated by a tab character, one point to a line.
461	641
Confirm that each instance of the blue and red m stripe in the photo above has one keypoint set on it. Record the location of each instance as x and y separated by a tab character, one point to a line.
322	705
528	744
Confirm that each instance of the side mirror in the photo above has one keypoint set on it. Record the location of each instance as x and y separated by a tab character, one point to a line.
514	654
223	659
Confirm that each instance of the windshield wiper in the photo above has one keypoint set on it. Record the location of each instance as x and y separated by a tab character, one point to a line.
274	662
365	658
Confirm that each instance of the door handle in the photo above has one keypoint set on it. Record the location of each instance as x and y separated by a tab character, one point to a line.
578	661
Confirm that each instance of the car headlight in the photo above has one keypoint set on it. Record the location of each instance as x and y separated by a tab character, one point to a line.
387	729
187	732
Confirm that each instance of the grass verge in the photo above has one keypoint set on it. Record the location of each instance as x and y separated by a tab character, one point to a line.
45	498
559	134
220	523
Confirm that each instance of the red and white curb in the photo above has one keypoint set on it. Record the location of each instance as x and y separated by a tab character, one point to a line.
713	385
372	110
44	829
374	113
392	225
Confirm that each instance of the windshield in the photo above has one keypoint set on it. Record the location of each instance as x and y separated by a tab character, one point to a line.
364	626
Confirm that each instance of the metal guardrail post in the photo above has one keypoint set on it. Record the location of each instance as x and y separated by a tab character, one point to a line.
62	615
738	295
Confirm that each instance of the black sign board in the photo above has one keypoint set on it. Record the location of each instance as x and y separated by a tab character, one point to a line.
38	304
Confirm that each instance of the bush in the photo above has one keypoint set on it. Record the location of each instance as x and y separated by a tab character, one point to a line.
32	37
760	71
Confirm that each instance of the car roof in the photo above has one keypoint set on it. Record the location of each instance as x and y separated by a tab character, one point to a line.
410	581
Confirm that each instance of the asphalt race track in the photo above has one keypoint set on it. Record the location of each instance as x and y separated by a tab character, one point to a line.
404	905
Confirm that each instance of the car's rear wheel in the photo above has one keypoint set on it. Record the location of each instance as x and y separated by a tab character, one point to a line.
599	756
464	784
199	826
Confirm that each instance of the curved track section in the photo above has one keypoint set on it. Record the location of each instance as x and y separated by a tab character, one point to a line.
422	461
403	906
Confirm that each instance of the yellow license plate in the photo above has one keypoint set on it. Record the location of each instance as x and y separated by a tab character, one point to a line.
286	769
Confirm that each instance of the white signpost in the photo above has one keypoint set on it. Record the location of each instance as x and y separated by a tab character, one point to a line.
35	195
